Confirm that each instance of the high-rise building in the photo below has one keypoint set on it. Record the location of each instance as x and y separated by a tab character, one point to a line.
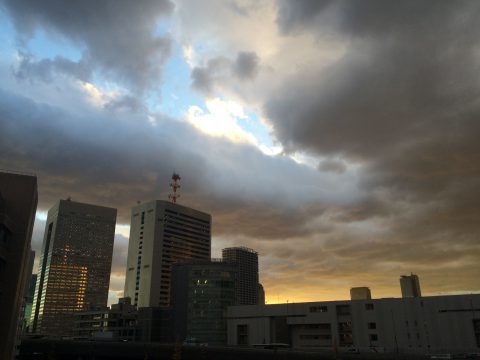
162	233
410	285
18	204
360	293
201	293
246	284
75	264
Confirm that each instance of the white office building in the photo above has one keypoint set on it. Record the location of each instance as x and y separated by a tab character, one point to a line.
162	233
434	324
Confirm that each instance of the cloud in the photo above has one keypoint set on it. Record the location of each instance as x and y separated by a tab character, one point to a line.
219	71
118	38
246	65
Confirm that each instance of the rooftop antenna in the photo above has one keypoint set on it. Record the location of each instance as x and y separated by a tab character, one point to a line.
175	184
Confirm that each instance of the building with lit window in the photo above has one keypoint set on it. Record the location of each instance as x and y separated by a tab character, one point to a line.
162	233
246	285
201	293
75	264
422	325
18	204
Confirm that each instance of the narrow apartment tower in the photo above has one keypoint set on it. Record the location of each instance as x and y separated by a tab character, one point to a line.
162	233
75	264
18	204
410	285
246	284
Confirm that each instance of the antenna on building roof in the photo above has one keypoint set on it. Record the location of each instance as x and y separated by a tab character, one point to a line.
175	184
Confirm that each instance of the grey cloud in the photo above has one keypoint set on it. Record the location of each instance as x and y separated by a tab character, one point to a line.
118	36
246	65
299	14
31	69
333	166
220	70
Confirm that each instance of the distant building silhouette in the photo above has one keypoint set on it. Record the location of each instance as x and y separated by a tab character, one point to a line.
29	301
261	294
18	204
410	285
360	293
75	265
162	233
246	284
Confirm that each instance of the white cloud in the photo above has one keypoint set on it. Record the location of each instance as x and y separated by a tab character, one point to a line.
221	120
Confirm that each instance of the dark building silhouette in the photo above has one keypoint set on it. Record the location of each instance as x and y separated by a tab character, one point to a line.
18	204
75	265
201	293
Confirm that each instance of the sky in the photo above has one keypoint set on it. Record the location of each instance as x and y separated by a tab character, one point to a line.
339	139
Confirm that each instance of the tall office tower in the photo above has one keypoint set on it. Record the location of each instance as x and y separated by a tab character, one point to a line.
162	233
410	285
75	263
360	293
246	284
18	204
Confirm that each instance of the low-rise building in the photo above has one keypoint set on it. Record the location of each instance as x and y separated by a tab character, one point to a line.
117	323
447	324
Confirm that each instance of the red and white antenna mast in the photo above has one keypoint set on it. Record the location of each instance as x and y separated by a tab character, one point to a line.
175	184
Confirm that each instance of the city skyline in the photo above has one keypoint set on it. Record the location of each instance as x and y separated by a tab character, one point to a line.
338	139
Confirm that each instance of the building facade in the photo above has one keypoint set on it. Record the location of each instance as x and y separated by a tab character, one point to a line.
410	286
201	293
75	264
18	204
246	284
162	233
436	324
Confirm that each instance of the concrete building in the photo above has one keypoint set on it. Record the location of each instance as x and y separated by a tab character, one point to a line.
410	285
18	204
360	293
118	323
75	264
437	324
201	293
246	262
162	233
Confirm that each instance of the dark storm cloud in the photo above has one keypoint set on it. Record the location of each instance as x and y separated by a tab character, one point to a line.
221	69
118	37
402	98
